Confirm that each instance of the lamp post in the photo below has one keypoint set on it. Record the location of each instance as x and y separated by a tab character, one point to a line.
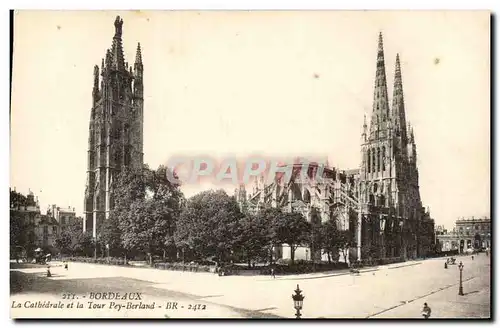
298	300
461	288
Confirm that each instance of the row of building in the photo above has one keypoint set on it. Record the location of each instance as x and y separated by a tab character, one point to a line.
39	230
468	233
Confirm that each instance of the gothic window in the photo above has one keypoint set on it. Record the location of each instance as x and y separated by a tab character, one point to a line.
383	159
378	159
382	200
369	161
374	167
372	199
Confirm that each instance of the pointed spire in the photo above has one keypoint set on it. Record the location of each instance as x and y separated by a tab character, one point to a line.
380	98
398	106
380	43
410	132
95	90
138	54
116	48
96	78
363	135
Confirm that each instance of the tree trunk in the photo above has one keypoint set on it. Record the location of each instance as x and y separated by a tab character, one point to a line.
329	258
271	255
292	253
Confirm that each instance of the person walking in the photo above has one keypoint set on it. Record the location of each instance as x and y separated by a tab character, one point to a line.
426	311
272	273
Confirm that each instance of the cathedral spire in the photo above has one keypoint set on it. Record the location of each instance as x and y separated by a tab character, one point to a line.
95	91
398	106
363	135
380	99
116	48
138	54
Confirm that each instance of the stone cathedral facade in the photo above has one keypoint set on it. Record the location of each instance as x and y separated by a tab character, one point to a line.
378	203
115	128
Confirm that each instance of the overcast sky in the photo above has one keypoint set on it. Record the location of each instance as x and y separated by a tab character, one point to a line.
277	83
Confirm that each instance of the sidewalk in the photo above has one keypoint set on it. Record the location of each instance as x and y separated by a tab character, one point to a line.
447	303
394	290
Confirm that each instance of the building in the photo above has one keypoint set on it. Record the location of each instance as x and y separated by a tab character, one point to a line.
468	233
64	216
23	213
378	203
115	128
46	232
38	230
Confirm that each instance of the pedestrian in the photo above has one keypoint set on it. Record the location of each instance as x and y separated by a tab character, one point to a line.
48	271
426	311
445	265
272	273
66	265
473	257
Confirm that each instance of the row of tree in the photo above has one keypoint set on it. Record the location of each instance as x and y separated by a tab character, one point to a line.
151	216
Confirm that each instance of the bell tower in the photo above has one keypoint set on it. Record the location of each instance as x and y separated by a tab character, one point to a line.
115	128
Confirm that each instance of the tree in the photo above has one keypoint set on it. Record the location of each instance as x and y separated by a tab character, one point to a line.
145	209
292	229
329	233
209	225
111	235
316	236
84	244
254	237
64	243
268	217
22	239
335	240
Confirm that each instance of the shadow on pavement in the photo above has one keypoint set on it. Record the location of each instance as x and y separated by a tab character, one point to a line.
21	282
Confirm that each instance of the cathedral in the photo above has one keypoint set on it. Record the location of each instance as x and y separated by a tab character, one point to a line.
378	203
115	128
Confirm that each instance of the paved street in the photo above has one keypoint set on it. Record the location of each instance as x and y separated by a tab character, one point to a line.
392	291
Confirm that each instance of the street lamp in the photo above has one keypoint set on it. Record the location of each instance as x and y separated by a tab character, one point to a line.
298	300
460	288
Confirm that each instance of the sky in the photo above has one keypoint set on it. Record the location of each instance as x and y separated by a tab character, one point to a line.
274	83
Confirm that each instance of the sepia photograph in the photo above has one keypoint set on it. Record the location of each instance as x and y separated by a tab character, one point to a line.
321	164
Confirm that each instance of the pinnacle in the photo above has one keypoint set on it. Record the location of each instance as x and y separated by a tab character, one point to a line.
380	42
138	55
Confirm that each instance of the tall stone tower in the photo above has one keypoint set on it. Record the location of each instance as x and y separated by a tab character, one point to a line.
389	194
115	128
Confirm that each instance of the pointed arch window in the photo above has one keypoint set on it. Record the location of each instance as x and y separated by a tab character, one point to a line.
369	160
378	159
374	167
383	158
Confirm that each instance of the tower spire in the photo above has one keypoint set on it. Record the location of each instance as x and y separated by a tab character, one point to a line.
363	135
380	99
117	48
95	91
398	106
138	54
